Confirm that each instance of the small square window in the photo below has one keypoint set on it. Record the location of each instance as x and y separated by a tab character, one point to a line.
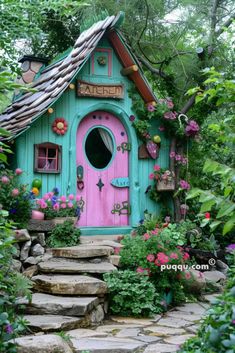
47	158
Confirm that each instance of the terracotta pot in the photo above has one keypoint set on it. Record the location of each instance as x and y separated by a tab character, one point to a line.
37	215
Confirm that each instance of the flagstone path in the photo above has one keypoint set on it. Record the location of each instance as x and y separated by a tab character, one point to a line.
161	334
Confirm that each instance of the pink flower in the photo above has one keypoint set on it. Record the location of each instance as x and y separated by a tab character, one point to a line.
15	192
77	198
186	256
157	262
172	154
71	197
56	207
187	275
150	257
178	157
170	115
46	197
163	258
184	160
146	236
169	103
63	198
43	204
5	179
150	108
157	167
151	176
70	205
161	128
140	269
63	205
50	194
18	171
174	256
167	219
117	250
184	185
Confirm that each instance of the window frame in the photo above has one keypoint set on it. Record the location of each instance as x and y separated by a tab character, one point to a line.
47	145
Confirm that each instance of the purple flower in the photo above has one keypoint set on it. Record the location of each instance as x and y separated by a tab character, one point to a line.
170	104
233	322
54	200
131	117
184	160
192	128
178	157
56	191
150	107
184	185
230	248
172	154
9	329
167	219
170	115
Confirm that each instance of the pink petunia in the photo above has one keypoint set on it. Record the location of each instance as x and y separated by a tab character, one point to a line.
77	198
50	194
71	197
63	205
157	167
43	204
151	176
150	257
174	256
146	236
187	275
63	198
140	269
5	179
186	256
56	207
70	205
150	107
46	197
18	171
15	192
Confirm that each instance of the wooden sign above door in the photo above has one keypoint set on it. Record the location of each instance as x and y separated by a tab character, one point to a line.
88	89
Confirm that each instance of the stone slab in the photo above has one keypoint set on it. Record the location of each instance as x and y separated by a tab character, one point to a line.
42	303
192	308
173	322
82	332
193	328
161	348
147	339
69	285
106	345
184	316
128	332
178	339
214	276
82	251
133	320
113	329
42	344
47	323
163	331
59	265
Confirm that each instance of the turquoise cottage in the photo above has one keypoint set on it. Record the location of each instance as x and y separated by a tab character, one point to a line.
76	131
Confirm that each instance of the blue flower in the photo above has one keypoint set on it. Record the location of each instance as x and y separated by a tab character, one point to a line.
56	190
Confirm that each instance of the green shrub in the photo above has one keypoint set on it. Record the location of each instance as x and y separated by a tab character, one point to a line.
132	294
63	235
12	285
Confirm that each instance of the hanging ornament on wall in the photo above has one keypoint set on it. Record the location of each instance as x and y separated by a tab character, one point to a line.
60	126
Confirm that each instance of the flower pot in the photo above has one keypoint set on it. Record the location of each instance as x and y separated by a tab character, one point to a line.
166	185
37	215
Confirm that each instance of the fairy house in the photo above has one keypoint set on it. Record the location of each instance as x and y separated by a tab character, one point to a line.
75	132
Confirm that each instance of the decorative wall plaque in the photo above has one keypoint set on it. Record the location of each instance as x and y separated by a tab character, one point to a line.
120	182
88	89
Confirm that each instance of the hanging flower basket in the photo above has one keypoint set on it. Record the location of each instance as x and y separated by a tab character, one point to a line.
166	185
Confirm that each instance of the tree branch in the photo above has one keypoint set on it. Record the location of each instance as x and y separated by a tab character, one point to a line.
155	71
225	25
188	104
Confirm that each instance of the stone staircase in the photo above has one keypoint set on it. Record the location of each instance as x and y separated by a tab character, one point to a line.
69	291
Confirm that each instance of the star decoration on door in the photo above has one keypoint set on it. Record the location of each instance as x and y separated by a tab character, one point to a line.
100	184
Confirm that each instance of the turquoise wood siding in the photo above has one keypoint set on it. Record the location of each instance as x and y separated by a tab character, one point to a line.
73	109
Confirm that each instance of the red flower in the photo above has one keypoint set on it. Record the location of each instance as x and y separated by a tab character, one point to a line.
207	215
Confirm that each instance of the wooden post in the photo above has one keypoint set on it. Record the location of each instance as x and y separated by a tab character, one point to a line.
129	70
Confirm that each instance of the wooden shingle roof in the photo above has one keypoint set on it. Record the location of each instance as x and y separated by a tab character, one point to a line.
55	78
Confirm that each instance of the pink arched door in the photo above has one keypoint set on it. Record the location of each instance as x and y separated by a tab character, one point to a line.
102	171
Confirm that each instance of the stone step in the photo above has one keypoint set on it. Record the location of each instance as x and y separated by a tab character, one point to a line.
106	345
69	285
82	251
60	265
56	305
42	344
48	323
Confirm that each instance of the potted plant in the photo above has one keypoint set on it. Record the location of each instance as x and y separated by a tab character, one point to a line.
163	178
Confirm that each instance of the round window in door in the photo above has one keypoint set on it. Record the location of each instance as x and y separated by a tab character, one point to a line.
99	147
